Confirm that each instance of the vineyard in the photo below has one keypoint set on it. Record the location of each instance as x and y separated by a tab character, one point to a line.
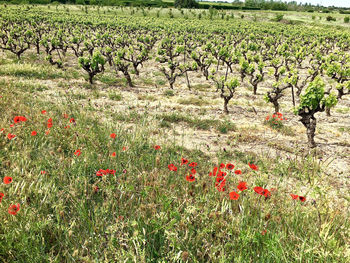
161	135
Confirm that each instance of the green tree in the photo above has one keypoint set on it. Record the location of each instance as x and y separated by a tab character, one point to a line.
185	3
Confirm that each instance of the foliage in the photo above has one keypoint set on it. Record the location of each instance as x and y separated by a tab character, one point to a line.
185	3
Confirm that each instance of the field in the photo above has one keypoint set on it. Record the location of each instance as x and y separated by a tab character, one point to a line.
163	135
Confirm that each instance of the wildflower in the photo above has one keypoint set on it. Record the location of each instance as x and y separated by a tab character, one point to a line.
67	127
294	196
49	123
193	164
172	167
156	147
111	171
65	116
184	161
43	172
43	112
230	166
1	196
221	188
7	180
113	154
242	186
34	133
238	172
222	166
101	172
13	209
193	171
302	198
124	148
214	172
190	178
18	119
266	193
258	189
77	152
113	135
10	136
263	232
253	166
72	120
267	118
47	132
234	196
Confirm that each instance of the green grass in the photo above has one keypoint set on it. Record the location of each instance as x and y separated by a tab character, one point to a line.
116	96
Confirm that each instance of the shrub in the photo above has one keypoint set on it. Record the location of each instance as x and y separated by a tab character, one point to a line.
331	18
169	93
278	17
346	19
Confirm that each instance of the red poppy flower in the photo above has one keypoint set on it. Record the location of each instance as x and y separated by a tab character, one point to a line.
10	136
266	193
7	180
238	172
43	172
43	112
72	120
113	154
193	171
230	166
101	172
222	166
156	147
16	119
184	161
263	232
47	132
221	188
258	189
267	118
1	196
65	116
190	178
221	174
253	166
172	167
294	196
242	186
77	152
234	196
113	135
193	164
214	172
67	127
302	198
34	133
13	209
49	123
111	171
2	129
220	179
